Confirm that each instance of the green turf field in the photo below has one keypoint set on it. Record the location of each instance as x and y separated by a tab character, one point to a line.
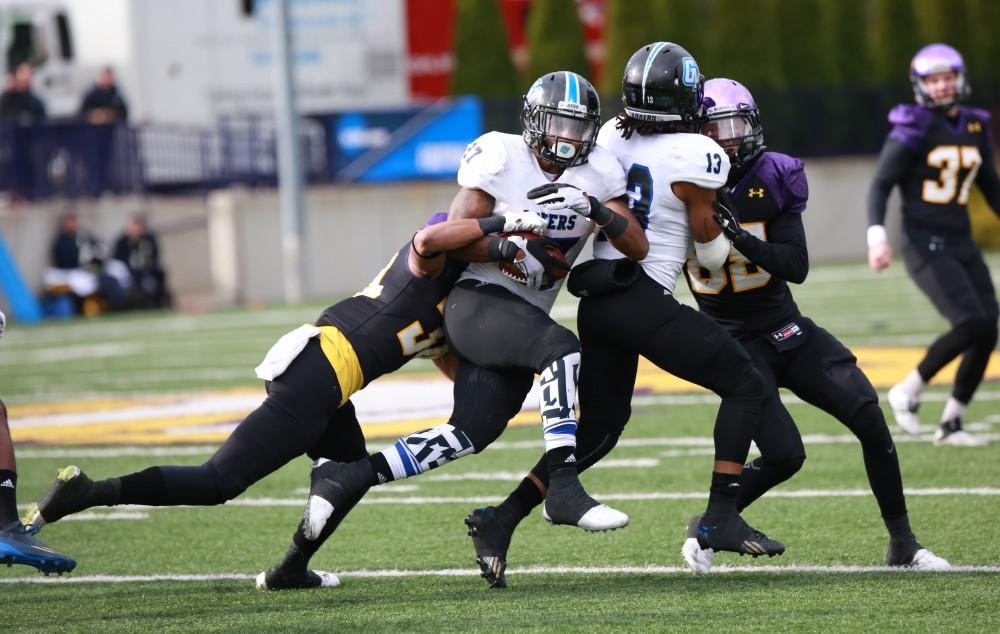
406	562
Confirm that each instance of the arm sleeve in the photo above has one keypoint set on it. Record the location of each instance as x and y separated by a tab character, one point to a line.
784	254
893	163
987	179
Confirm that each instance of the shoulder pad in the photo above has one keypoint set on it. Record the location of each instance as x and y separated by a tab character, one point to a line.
482	161
910	123
977	113
692	155
792	188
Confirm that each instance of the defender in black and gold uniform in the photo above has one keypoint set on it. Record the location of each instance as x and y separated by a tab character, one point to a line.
312	373
936	150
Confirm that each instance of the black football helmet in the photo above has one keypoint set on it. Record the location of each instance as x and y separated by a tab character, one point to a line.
663	83
561	116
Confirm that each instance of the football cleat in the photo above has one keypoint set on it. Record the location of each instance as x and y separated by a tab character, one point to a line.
735	535
278	578
698	559
950	432
913	555
67	495
904	409
19	546
334	484
567	503
491	539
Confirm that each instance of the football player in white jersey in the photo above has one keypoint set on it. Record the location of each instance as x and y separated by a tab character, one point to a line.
498	326
626	311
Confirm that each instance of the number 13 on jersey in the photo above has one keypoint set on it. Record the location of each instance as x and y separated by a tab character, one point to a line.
744	274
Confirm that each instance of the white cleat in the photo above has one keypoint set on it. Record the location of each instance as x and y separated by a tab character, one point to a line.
926	560
599	518
698	559
960	438
313	579
904	409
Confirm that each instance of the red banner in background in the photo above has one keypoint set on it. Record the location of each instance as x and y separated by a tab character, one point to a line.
430	28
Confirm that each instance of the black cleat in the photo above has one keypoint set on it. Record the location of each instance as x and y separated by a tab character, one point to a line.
910	554
736	536
279	578
72	492
334	484
491	540
568	503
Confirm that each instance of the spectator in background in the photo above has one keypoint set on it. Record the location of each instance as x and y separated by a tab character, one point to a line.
78	269
103	103
139	250
21	110
103	108
18	104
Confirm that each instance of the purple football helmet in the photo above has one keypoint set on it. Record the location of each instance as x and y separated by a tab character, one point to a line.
732	119
937	58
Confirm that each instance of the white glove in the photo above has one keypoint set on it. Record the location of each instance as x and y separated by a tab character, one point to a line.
3	323
516	221
532	269
556	196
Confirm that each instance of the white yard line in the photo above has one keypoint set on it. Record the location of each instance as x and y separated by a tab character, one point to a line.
532	570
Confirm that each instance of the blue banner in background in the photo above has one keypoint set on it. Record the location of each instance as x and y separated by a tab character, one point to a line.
415	143
23	304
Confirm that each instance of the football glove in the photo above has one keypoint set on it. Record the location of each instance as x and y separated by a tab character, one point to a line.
517	221
558	196
725	215
536	261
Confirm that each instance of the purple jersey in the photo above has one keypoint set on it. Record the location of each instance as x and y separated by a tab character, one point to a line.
948	154
741	296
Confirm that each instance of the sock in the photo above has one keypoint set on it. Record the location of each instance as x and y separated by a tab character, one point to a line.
899	529
302	549
8	496
722	495
558	402
420	451
953	408
562	464
913	384
519	503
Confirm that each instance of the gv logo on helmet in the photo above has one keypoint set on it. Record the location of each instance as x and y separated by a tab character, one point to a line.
689	72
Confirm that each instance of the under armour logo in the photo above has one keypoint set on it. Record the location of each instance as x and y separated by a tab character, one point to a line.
974	127
7	483
755	193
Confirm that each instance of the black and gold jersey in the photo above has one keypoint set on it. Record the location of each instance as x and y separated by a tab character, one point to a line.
387	323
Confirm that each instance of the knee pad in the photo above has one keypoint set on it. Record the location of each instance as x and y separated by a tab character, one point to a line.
742	381
225	488
558	342
868	424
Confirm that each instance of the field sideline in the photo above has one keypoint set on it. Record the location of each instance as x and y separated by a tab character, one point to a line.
406	562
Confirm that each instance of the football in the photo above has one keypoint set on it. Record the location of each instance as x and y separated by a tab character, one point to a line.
514	272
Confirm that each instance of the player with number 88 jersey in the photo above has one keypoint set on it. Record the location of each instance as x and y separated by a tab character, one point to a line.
935	151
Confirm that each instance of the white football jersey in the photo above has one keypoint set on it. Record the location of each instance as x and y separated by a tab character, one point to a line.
652	164
504	167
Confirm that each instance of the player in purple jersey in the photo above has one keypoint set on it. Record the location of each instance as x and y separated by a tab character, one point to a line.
936	150
750	297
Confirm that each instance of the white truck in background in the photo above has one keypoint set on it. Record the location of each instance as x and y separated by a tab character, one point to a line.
189	62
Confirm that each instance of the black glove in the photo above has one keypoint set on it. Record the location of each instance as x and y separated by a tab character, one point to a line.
725	215
538	249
